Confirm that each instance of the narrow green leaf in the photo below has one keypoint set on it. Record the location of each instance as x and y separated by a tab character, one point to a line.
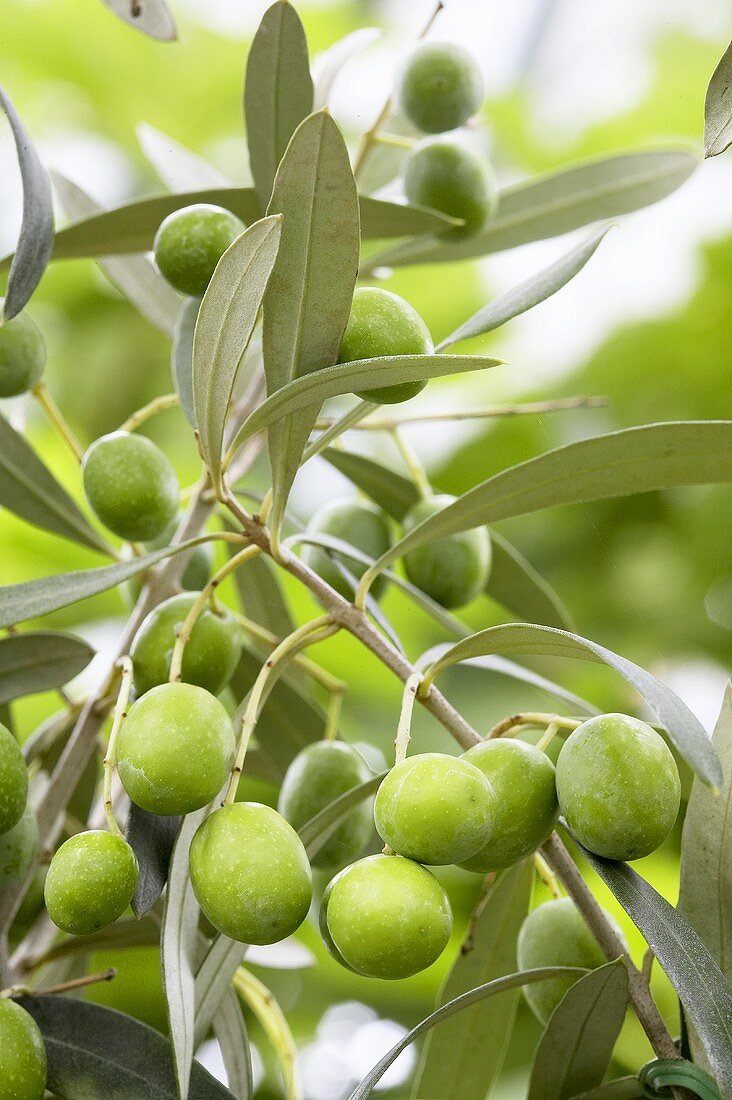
40	661
456	1059
213	979
230	1030
36	230
683	728
178	167
327	66
577	1045
152	838
392	492
529	293
29	490
226	320
718	107
181	357
384	218
262	597
319	829
515	583
152	17
660	1076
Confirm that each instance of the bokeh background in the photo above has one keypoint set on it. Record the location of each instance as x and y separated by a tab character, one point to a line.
647	325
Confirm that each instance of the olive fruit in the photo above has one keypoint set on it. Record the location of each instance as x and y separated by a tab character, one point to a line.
440	87
130	485
22	1054
450	176
22	355
176	748
211	653
358	523
522	777
250	873
382	323
618	786
388	917
190	242
325	931
555	934
18	848
435	808
318	775
452	570
13	780
90	882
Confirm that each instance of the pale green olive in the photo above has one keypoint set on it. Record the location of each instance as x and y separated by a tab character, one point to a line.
13	781
22	1054
90	882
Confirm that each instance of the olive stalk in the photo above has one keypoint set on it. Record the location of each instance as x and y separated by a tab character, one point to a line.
403	737
413	463
57	419
110	756
272	1019
157	405
479	412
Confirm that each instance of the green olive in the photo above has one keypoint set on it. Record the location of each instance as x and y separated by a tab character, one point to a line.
315	778
18	848
358	523
250	873
31	905
380	324
22	355
450	176
130	485
522	777
90	882
440	87
325	931
22	1054
176	748
190	242
13	781
452	570
435	809
618	786
555	934
388	917
211	653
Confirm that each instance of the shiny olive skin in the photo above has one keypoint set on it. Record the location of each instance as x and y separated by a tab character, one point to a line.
618	786
130	485
452	570
250	873
22	1054
316	777
90	882
18	848
450	176
382	323
22	355
190	242
176	749
13	781
435	809
211	653
440	87
388	917
555	934
522	777
325	931
357	522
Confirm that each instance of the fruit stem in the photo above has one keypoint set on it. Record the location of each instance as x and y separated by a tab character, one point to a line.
507	727
334	429
484	412
413	463
335	706
320	675
404	735
79	983
546	875
551	730
110	756
272	1019
157	405
398	141
57	419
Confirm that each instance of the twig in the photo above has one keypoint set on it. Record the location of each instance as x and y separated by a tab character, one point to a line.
157	405
484	412
57	418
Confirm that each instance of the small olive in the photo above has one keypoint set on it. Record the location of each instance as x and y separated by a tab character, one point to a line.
450	176
13	781
190	242
452	570
90	882
130	485
358	523
440	87
18	848
22	1054
22	355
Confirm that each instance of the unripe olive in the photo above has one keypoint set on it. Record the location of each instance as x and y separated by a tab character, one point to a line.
440	87
18	848
448	175
190	242
22	1054
130	485
325	931
318	775
453	570
388	917
555	934
358	523
13	781
31	905
22	355
176	748
435	808
382	323
90	882
211	653
618	786
522	777
250	873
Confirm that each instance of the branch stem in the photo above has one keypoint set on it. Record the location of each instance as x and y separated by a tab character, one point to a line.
157	405
274	1024
57	419
110	757
479	412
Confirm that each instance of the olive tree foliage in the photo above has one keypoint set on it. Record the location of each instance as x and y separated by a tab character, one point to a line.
254	361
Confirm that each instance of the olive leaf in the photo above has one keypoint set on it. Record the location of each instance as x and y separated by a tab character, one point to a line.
661	1075
181	357
575	1050
36	230
261	595
226	319
326	67
152	17
391	491
152	838
122	934
718	107
30	491
514	583
39	661
178	167
456	1059
230	1030
213	978
316	832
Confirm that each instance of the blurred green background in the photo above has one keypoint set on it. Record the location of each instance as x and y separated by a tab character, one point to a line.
648	325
